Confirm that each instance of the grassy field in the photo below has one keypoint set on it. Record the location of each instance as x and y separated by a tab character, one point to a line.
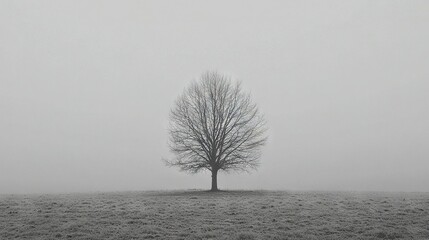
222	215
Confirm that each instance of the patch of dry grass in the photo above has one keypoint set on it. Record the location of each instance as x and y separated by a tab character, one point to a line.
221	215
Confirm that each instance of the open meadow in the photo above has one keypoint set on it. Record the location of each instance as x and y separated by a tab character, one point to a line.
220	215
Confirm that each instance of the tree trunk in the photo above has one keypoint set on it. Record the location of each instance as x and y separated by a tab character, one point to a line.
214	181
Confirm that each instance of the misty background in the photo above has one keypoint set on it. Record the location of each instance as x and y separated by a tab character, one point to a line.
86	88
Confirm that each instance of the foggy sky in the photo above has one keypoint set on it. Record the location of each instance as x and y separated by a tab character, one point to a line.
86	88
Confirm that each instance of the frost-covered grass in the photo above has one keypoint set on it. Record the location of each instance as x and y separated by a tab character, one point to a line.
221	215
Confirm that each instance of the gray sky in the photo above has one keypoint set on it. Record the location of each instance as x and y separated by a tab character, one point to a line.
86	88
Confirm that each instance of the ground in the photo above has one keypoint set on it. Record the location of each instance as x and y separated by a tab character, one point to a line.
221	215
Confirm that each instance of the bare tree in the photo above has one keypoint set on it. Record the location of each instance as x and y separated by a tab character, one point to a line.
215	126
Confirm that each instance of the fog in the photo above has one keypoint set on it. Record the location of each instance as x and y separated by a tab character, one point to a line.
86	88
